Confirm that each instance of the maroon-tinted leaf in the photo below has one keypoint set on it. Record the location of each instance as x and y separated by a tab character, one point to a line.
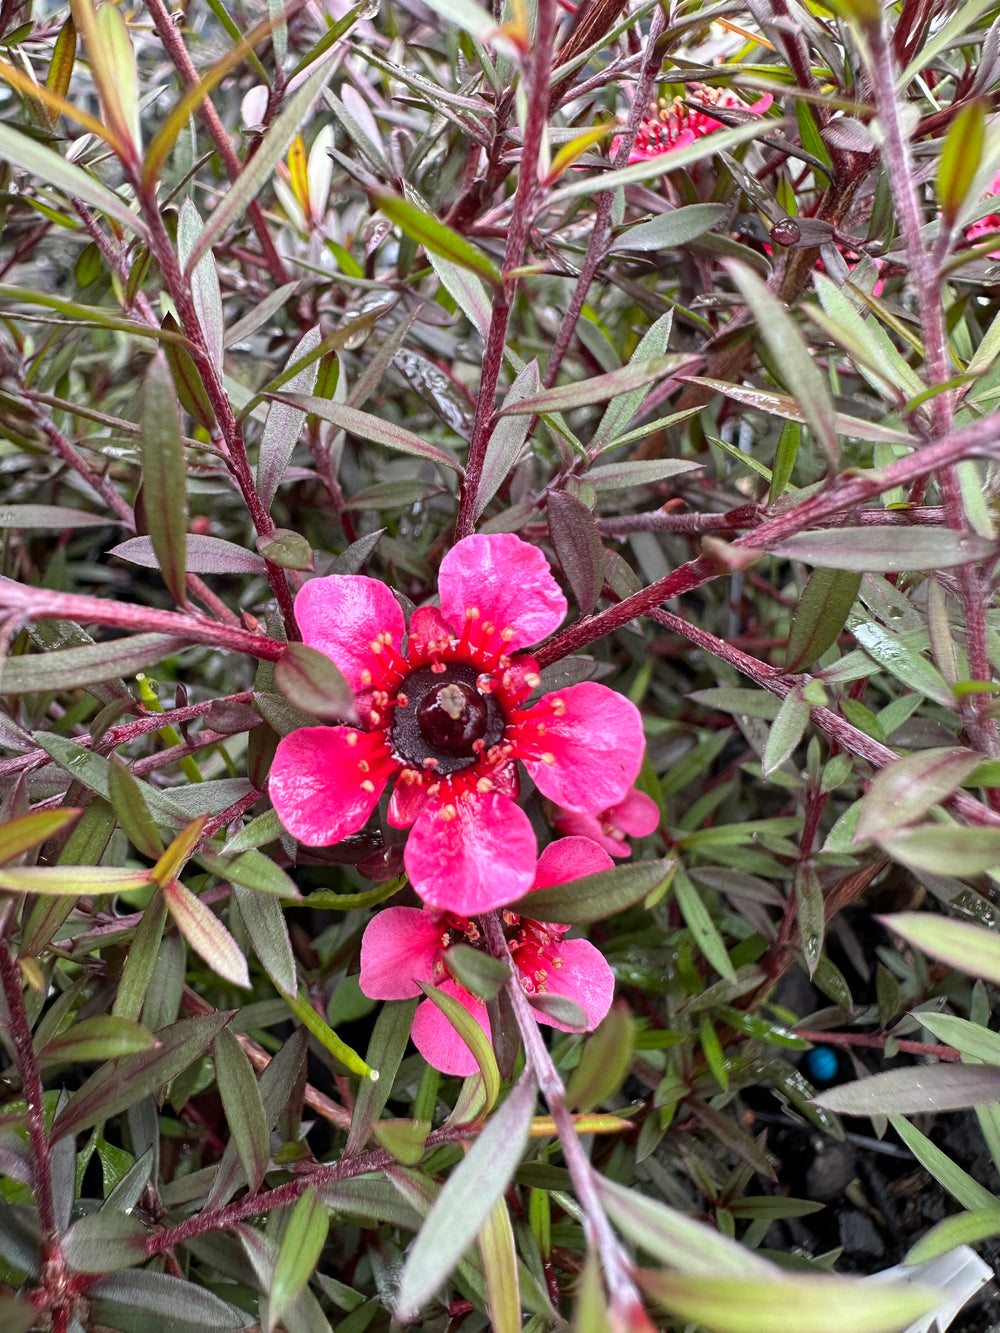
203	555
105	1241
241	1101
104	1037
170	1298
70	668
56	518
287	549
311	681
507	438
911	1091
164	475
906	789
577	543
890	550
281	430
369	427
594	897
597	389
206	934
123	1083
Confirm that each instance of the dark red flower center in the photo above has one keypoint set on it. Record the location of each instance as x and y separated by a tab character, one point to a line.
446	722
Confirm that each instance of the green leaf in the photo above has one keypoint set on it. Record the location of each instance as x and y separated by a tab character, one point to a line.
53	169
958	1183
323	1033
265	924
131	810
480	974
507	437
890	550
971	1039
785	407
433	234
19	835
473	1036
594	897
499	1255
784	460
810	915
164	475
792	356
901	661
960	157
621	411
906	789
702	927
241	1101
962	1229
405	1139
943	849
369	427
88	664
623	476
143	953
252	869
788	1303
205	289
73	879
467	1200
604	1064
103	1038
385	1051
971	949
596	389
675	1238
669	230
123	1083
171	1299
270	151
105	1241
206	934
820	616
786	731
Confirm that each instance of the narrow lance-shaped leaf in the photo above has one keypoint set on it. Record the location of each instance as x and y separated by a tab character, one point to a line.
205	290
671	229
906	789
241	1101
914	1091
499	1255
369	427
597	389
889	550
820	615
787	346
61	65
89	664
206	934
507	438
164	474
281	430
125	1082
594	897
467	1199
20	835
301	1246
433	234
577	543
105	1037
970	948
272	149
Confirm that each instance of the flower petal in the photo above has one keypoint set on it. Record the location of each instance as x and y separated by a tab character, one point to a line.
316	781
570	858
409	796
472	854
637	815
575	824
508	584
582	746
585	978
343	615
399	948
436	1039
428	635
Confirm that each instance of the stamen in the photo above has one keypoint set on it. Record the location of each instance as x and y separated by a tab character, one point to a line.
368	786
484	785
366	676
351	738
558	705
364	766
548	758
449	812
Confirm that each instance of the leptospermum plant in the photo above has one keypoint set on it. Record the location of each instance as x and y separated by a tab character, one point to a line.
411	453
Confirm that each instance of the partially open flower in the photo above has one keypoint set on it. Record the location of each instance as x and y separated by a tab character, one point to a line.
404	945
665	128
449	721
634	817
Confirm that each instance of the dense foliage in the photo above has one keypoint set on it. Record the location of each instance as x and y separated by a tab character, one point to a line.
660	344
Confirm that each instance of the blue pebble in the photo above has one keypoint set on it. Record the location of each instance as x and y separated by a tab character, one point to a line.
821	1064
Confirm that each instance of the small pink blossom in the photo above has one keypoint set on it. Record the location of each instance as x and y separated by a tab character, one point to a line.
988	225
449	721
405	945
634	817
664	128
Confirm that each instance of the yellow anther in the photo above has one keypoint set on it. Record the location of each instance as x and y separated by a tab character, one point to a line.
484	785
472	613
368	785
351	738
548	758
558	706
449	812
366	677
533	679
507	634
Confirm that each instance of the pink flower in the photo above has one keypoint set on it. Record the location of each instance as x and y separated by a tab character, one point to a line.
448	721
404	945
988	225
666	128
636	816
